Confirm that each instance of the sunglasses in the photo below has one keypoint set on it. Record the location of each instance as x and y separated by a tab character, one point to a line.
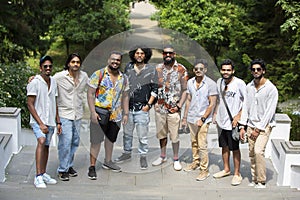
199	69
46	66
167	52
256	69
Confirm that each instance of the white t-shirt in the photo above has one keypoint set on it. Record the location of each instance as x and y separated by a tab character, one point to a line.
234	96
45	102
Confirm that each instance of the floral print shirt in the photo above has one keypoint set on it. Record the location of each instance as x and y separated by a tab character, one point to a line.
108	95
171	83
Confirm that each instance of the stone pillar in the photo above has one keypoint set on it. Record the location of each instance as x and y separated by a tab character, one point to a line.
281	131
290	157
10	122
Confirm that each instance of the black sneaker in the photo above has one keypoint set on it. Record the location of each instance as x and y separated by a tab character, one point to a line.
143	162
72	172
64	176
92	173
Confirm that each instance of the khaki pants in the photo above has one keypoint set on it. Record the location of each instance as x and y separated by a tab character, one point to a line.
199	145
257	154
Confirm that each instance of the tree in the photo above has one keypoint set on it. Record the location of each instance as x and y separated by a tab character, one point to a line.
90	23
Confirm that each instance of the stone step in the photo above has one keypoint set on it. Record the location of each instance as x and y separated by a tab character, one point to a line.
4	139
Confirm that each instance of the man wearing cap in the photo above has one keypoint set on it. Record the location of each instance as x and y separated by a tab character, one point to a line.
41	102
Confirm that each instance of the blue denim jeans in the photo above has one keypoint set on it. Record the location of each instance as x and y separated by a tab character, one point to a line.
140	120
38	133
68	143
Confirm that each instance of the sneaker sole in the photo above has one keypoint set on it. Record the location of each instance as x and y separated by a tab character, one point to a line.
159	164
73	175
108	168
122	161
63	179
92	178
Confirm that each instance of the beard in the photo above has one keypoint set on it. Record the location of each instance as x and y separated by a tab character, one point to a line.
167	62
228	78
113	69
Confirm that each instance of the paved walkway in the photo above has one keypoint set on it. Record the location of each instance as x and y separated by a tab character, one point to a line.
156	183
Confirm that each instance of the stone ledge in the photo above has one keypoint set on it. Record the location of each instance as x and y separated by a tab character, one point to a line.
291	147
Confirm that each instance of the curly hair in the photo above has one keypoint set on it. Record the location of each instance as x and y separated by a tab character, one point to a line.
146	50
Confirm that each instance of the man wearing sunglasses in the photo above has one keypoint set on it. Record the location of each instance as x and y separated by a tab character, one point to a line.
201	100
172	85
259	116
232	92
71	84
42	105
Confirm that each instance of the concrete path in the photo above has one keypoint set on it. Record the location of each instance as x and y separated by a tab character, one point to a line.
155	183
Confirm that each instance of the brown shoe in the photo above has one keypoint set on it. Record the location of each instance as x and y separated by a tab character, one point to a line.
203	175
191	167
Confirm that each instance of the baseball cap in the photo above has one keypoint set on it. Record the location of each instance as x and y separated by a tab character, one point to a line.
44	58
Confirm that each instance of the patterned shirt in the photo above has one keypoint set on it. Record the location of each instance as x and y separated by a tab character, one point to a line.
142	85
171	84
107	94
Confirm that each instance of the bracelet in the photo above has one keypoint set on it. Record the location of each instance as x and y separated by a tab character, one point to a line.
58	123
184	118
150	105
203	119
178	107
126	114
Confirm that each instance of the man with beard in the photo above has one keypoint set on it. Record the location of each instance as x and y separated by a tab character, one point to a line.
259	116
108	90
71	83
172	85
201	100
142	93
232	90
41	102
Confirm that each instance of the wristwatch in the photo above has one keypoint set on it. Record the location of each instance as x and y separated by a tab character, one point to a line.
203	119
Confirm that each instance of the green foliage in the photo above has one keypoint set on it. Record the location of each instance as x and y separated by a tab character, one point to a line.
93	22
13	84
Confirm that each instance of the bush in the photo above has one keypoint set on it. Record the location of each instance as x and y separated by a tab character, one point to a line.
13	82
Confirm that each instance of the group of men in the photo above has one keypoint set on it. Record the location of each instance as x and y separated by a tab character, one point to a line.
58	101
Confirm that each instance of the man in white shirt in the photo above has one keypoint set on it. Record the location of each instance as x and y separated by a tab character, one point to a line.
232	91
41	102
259	115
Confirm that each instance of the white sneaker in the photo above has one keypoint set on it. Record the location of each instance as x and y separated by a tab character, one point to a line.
39	183
159	161
252	184
177	166
260	186
48	180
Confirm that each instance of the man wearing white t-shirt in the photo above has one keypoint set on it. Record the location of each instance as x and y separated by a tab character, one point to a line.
232	90
41	103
